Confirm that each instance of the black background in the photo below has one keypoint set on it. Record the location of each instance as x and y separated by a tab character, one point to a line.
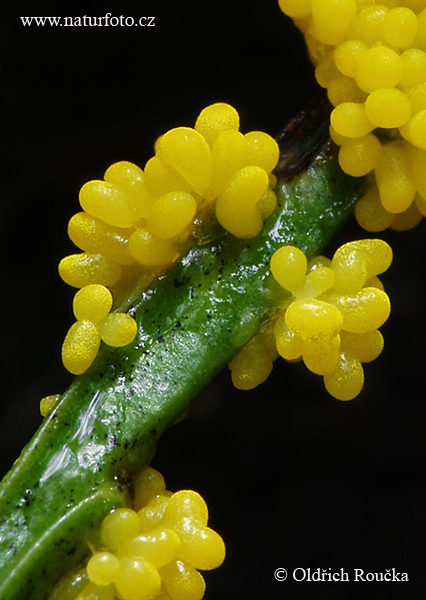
293	478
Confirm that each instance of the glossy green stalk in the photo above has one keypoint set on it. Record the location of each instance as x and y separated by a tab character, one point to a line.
198	315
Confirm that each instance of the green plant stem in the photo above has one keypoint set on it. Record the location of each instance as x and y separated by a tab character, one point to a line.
80	463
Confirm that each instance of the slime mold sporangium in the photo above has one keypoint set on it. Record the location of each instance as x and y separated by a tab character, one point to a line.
329	472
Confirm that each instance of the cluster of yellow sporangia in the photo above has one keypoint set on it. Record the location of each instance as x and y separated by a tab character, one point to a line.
371	57
135	222
329	319
152	551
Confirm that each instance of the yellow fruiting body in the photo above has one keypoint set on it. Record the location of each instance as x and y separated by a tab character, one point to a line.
182	581
359	156
158	558
388	108
251	367
83	269
317	281
347	55
394	178
350	120
132	183
118	329
158	546
94	236
186	504
215	119
331	318
364	311
136	222
366	346
107	202
48	403
344	89
267	203
171	214
102	568
371	214
400	27
347	379
151	250
289	346
313	320
378	67
288	266
148	484
296	8
254	363
415	130
236	207
414	61
161	178
417	96
201	547
321	357
187	151
356	262
371	57
137	579
261	150
229	153
92	303
331	19
368	23
118	527
151	515
80	346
